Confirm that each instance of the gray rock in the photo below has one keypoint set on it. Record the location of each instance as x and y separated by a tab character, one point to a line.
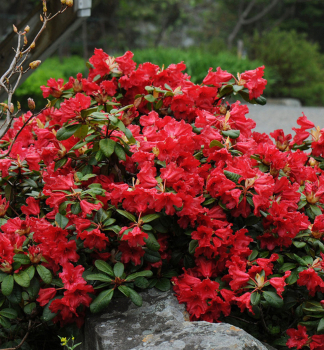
160	324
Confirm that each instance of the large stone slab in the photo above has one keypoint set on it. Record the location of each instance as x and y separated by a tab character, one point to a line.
160	324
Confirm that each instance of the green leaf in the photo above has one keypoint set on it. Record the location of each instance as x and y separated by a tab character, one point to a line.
9	313
98	277
150	217
44	274
255	298
120	152
151	242
124	290
209	201
61	220
292	278
82	132
287	267
130	136
107	146
118	269
3	275
237	88
67	131
320	327
145	273
141	282
102	301
300	261
135	297
79	145
22	258
261	100
127	215
4	322
33	288
192	246
152	256
273	299
232	176
7	285
163	284
104	267
253	255
30	271
60	163
316	210
29	308
31	183
299	244
150	98
233	134
15	296
170	273
76	208
22	278
225	90
216	143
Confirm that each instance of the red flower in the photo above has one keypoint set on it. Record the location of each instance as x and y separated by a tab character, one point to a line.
72	276
311	280
4	205
133	254
87	207
298	337
56	88
244	302
279	283
45	295
73	107
217	78
94	239
253	81
32	207
125	62
317	342
134	237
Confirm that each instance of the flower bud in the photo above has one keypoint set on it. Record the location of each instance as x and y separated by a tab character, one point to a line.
27	28
11	108
31	104
18	105
69	3
25	40
32	45
41	18
34	64
4	107
15	28
44	6
63	2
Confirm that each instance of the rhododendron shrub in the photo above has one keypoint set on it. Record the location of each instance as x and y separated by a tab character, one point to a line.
134	176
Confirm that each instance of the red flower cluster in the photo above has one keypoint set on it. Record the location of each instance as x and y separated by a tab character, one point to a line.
142	167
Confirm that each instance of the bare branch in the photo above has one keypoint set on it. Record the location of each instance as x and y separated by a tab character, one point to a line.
261	14
21	54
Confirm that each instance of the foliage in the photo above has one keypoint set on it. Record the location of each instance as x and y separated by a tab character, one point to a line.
297	63
135	176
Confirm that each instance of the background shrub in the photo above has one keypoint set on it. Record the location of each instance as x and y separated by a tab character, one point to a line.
300	78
